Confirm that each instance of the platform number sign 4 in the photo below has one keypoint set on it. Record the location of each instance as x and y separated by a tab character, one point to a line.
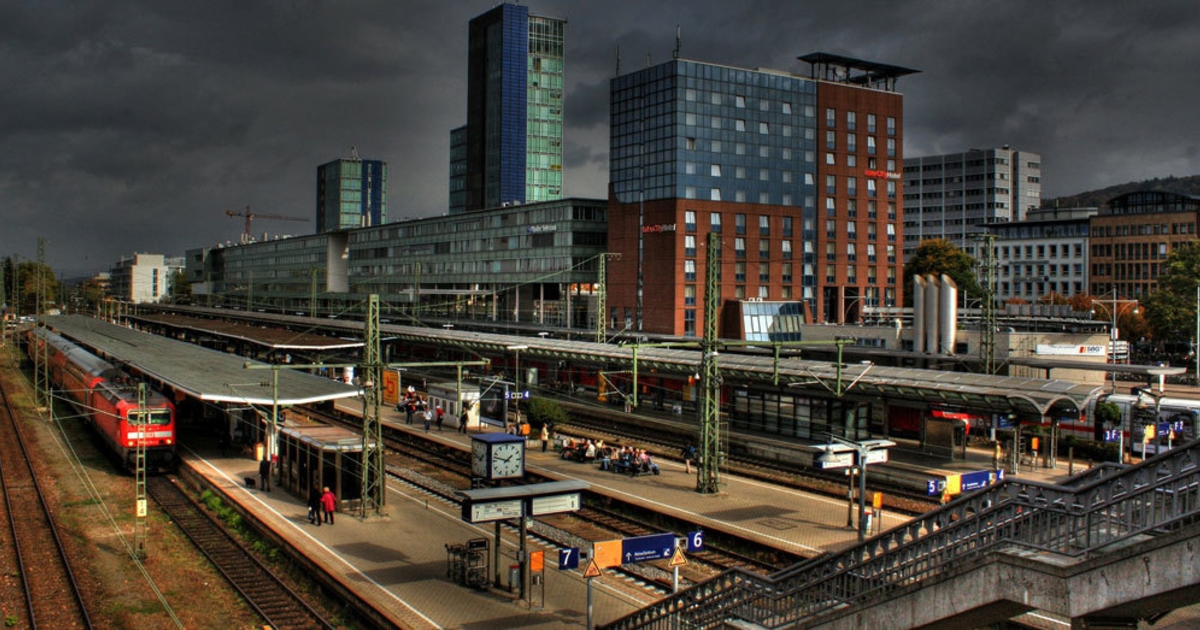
568	558
695	541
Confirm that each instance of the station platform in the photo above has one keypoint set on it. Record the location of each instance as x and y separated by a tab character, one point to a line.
398	563
796	521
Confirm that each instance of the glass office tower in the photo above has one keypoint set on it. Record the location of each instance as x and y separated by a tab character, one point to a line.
351	193
512	149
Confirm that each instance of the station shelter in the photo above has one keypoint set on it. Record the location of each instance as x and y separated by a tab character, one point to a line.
323	456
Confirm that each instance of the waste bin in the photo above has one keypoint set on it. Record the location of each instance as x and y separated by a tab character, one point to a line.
514	577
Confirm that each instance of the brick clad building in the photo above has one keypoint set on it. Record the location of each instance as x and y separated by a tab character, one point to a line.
799	175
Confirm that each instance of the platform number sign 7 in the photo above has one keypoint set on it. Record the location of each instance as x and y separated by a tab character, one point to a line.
695	541
568	558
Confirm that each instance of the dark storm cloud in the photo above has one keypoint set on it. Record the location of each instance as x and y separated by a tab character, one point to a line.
131	126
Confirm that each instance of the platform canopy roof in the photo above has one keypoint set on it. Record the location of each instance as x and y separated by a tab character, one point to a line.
981	393
198	372
273	338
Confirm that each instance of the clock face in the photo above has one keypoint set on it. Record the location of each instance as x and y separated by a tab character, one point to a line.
508	460
479	459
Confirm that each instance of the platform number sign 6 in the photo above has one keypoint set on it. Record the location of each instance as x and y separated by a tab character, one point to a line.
695	541
568	558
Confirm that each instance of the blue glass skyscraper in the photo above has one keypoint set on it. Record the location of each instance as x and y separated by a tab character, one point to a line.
512	149
351	193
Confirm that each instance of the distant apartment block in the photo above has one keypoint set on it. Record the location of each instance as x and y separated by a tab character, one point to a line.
954	196
351	193
1043	254
143	277
1132	236
510	151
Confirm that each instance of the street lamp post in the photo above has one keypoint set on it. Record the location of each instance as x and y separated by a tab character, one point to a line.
1114	310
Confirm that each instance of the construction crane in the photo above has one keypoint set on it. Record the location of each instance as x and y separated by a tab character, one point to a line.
250	216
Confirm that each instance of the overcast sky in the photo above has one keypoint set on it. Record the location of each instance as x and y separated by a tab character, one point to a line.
133	126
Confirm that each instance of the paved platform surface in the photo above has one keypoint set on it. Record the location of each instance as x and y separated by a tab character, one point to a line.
793	520
399	562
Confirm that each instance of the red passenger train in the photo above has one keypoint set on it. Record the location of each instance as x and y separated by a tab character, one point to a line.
105	397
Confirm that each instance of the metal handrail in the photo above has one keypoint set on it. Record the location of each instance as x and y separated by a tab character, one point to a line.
1078	519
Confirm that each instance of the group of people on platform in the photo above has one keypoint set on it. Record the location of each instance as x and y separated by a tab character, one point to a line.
321	503
615	458
432	415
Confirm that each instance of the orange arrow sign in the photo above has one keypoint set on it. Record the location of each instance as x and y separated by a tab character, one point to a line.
592	570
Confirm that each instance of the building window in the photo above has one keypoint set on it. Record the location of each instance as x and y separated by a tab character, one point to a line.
764	249
689	322
871	252
689	220
689	192
787	250
891	125
689	119
739	125
739	172
739	148
852	208
764	198
786	108
739	196
739	223
891	189
851	121
739	102
851	142
689	270
786	272
871	145
830	117
787	226
851	252
763	293
831	184
830	160
715	194
764	175
689	168
830	228
689	295
739	247
739	272
852	186
852	229
739	292
715	170
764	225
764	128
689	144
891	147
870	123
831	140
689	245
786	293
716	146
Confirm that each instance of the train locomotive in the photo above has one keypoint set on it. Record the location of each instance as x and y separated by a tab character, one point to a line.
108	400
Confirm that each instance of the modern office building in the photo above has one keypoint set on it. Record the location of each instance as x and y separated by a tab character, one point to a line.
1131	237
797	174
510	150
533	263
954	196
143	277
351	192
1045	253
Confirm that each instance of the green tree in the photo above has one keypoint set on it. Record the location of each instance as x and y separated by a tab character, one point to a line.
1171	309
544	410
33	283
938	256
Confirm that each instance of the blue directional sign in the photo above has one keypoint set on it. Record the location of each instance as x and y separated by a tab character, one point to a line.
1112	435
935	486
643	548
568	558
977	480
1164	428
695	542
521	395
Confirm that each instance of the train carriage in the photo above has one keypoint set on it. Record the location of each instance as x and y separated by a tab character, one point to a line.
107	399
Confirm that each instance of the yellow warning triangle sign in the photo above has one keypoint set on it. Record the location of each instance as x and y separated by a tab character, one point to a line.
678	559
592	570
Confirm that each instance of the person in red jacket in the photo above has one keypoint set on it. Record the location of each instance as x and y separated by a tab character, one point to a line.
328	505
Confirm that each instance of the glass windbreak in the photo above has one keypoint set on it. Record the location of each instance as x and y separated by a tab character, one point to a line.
159	416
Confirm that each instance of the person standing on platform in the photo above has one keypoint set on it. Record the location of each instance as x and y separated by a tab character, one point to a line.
462	420
428	415
264	473
329	504
314	504
440	413
408	411
689	456
545	436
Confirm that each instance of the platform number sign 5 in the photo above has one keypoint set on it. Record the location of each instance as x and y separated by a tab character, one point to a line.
568	558
695	541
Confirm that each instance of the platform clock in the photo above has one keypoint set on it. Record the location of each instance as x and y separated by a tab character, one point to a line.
498	456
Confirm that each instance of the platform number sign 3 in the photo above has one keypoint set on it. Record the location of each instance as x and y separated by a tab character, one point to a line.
568	558
695	541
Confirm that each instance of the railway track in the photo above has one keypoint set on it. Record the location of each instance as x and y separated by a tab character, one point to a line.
453	465
277	603
52	595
